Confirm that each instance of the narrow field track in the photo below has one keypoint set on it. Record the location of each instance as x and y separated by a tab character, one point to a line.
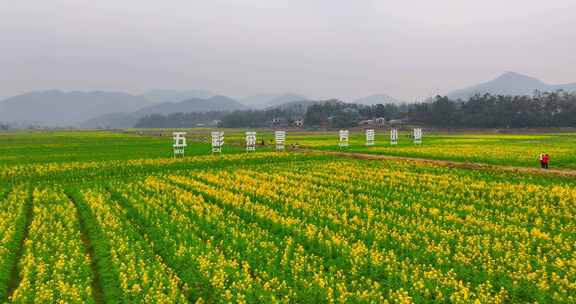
454	164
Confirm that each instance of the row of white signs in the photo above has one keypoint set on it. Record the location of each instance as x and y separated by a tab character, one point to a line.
218	141
371	135
280	139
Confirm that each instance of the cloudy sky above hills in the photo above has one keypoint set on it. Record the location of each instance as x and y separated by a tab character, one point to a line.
320	48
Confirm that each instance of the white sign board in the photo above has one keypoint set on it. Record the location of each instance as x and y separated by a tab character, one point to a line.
217	141
250	141
179	143
280	138
344	136
394	136
370	135
417	136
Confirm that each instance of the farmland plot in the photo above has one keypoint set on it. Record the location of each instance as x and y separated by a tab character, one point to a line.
301	229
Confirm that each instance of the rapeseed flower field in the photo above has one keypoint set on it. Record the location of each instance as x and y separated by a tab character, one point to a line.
282	227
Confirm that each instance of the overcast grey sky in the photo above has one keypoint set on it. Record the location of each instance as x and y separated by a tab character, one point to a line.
321	48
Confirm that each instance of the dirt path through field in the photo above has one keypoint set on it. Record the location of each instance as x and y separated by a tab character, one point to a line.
454	164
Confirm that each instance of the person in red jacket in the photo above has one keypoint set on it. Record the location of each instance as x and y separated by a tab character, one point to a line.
546	161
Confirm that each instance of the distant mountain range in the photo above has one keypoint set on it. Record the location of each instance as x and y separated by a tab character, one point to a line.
99	109
121	110
270	100
163	95
215	103
378	99
510	83
58	108
124	120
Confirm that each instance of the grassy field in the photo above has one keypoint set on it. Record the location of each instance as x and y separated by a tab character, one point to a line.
496	149
77	146
101	217
489	148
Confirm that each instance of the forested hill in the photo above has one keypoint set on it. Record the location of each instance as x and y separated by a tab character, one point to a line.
556	109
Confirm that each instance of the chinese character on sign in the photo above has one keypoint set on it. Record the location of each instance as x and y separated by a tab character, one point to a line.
217	141
394	136
280	138
250	141
370	134
417	136
179	143
343	142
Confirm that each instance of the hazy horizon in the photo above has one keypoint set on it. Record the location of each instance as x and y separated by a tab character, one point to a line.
318	48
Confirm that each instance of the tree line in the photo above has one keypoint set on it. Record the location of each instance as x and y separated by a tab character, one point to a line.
555	109
337	114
